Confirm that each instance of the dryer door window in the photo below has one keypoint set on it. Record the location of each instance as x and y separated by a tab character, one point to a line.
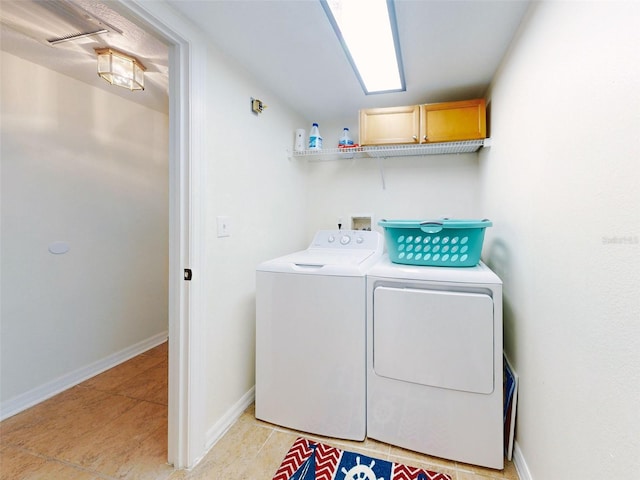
436	338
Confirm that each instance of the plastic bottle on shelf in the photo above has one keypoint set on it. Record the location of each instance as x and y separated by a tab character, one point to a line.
345	140
315	140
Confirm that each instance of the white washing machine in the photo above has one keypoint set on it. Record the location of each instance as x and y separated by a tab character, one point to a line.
434	361
310	335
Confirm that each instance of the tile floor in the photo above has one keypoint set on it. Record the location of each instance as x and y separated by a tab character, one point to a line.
114	426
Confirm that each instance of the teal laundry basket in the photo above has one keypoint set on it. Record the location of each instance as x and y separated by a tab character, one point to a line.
440	243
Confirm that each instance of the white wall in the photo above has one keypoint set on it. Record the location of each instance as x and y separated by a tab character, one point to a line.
73	172
422	187
562	184
251	180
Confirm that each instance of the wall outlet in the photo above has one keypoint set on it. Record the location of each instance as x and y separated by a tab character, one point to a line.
361	222
224	226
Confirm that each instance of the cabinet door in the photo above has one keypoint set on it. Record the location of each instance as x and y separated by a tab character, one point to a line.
388	126
453	121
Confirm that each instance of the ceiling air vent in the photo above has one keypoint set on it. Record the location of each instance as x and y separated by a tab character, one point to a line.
70	22
53	21
74	36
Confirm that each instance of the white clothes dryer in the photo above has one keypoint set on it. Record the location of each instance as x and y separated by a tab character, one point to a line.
310	335
434	361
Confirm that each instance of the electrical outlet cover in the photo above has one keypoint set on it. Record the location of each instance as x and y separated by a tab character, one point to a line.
361	222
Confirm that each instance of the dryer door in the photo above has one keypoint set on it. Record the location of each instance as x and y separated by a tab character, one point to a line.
437	338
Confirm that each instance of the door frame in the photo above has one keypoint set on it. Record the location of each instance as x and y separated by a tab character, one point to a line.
187	143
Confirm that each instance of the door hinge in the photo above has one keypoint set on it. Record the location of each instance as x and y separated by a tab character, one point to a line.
188	274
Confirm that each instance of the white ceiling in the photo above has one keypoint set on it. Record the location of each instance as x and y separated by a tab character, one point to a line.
450	49
27	24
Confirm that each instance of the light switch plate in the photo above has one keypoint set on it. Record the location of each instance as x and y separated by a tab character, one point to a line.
224	226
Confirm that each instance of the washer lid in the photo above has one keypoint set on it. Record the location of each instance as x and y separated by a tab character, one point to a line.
332	252
326	256
323	261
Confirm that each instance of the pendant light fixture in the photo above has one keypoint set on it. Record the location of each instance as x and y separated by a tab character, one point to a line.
120	69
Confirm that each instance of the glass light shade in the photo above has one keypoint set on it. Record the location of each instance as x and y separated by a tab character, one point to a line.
120	69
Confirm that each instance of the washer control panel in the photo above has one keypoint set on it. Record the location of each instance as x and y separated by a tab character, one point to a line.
347	239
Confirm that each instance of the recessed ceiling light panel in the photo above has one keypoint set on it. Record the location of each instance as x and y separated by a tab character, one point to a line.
368	33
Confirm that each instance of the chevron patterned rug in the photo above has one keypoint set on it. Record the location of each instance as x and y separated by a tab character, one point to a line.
307	460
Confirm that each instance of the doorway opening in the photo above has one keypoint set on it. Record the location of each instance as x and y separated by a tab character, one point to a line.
187	84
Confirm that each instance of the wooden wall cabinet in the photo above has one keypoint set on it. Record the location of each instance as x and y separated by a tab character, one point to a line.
453	121
389	126
429	123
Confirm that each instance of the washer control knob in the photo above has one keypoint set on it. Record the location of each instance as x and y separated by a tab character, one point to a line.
345	239
359	240
331	239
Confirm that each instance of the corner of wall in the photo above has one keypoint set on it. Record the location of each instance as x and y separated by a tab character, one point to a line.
521	465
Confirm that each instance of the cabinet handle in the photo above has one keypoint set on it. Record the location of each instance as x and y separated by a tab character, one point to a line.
415	137
425	138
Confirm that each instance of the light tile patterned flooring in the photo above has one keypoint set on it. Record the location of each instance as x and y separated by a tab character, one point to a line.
114	426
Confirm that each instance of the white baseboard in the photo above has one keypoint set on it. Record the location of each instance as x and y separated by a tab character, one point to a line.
43	392
520	463
216	432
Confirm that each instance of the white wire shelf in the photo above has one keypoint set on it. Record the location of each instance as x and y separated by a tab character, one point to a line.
466	146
